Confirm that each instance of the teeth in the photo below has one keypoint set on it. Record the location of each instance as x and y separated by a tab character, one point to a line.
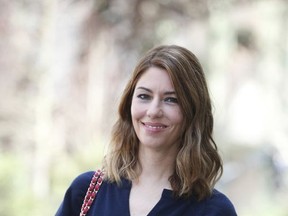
156	127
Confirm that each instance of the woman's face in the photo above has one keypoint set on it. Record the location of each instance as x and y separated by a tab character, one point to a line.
156	114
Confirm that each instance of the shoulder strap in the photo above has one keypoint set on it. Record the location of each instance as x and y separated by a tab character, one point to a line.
92	191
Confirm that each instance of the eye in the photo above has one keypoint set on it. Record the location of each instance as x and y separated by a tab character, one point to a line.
171	100
143	96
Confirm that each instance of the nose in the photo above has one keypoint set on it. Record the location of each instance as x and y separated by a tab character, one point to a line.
155	110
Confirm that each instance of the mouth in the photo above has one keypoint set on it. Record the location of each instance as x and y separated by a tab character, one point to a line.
154	126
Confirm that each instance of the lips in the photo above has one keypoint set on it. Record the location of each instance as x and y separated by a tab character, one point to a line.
154	126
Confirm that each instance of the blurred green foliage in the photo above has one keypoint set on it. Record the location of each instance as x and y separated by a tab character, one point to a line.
17	197
63	65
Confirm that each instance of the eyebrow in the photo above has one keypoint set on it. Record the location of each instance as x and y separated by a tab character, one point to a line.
149	90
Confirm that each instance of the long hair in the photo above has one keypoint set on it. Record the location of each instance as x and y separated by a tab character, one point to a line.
198	165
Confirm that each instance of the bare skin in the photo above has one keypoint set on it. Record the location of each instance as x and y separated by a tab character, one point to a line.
147	190
157	120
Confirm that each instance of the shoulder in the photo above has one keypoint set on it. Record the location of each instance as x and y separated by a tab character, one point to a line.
82	181
78	188
75	194
219	205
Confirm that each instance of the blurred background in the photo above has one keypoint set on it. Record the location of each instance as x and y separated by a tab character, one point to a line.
64	64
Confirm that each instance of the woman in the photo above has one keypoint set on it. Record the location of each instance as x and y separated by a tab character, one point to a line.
162	159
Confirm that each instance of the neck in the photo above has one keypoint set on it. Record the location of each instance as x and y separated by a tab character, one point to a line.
156	166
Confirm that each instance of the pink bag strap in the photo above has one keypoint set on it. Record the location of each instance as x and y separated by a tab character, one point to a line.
92	191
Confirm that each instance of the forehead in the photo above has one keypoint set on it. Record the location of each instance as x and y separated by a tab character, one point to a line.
155	77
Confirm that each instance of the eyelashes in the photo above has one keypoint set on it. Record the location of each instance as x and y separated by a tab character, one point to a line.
146	97
143	96
171	100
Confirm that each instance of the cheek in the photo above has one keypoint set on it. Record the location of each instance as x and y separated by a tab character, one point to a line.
180	117
179	123
135	111
136	115
176	116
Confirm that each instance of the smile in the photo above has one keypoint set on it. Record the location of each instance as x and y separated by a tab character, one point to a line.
154	126
150	126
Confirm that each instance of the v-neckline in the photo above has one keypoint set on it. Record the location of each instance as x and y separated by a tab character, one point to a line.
166	194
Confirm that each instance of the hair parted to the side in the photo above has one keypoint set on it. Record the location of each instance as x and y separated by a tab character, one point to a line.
198	165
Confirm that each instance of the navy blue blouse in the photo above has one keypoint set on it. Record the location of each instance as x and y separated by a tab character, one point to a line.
113	200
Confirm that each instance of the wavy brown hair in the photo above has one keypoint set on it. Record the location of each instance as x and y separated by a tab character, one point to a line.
198	165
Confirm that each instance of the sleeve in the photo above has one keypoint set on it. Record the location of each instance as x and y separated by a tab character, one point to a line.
74	196
220	205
